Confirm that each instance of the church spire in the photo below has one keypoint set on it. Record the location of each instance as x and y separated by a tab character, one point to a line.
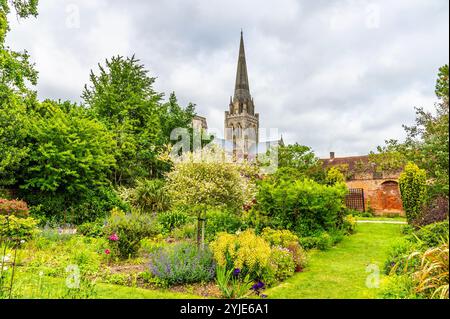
241	89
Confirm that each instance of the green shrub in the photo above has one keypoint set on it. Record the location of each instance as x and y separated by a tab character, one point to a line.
397	257
149	195
433	234
279	237
309	242
92	229
182	263
54	209
150	245
412	183
399	287
349	224
14	229
336	236
304	207
130	230
324	241
187	231
221	221
171	220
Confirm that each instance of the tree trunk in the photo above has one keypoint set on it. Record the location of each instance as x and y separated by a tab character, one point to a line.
199	237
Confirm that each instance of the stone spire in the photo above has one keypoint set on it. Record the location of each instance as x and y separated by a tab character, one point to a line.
241	89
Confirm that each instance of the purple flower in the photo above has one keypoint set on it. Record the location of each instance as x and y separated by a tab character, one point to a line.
236	272
263	296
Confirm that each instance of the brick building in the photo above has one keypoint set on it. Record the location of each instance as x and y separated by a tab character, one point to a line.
370	188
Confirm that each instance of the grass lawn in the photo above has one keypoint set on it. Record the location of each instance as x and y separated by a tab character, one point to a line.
54	288
341	271
394	219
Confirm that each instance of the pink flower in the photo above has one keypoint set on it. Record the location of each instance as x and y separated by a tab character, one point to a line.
114	237
107	251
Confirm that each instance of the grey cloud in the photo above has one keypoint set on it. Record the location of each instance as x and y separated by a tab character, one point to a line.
341	75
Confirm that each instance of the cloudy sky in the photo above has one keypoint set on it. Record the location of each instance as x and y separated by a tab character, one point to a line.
339	75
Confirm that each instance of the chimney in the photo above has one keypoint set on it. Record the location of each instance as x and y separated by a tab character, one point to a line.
331	155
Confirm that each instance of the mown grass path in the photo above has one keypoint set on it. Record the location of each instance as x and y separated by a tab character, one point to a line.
341	271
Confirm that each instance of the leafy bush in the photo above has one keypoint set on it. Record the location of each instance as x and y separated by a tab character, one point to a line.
130	230
221	221
287	240
149	195
182	263
279	237
324	241
397	257
60	207
412	182
15	229
349	224
434	234
92	229
13	207
398	287
172	219
282	263
304	206
187	231
245	251
334	176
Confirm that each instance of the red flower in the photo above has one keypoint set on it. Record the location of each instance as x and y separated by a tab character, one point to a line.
107	251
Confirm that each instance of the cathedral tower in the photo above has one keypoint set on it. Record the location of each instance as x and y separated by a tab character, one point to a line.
241	121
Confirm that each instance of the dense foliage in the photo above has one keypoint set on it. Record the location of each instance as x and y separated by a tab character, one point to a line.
302	206
122	96
412	182
126	231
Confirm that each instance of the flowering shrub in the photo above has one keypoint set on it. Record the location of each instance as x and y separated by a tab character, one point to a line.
13	207
279	237
182	264
282	263
244	250
125	231
288	240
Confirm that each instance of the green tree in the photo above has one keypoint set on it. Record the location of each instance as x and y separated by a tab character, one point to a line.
297	162
201	181
69	152
122	96
15	97
427	142
412	182
334	176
